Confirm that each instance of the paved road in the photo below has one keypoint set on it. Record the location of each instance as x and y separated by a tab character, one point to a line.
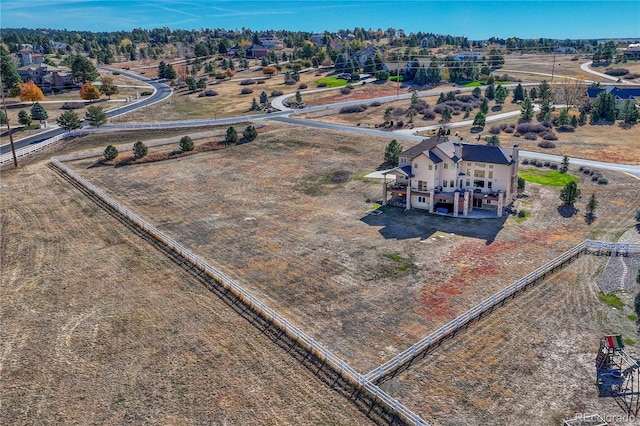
585	67
160	91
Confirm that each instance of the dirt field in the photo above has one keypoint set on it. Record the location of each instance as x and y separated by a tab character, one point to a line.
298	236
98	327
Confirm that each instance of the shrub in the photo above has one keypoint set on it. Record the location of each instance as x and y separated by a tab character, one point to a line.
110	153
530	136
146	93
72	105
616	72
586	171
429	115
553	166
207	92
546	144
247	82
260	82
322	84
525	128
375	104
525	161
139	149
522	213
546	163
566	128
549	136
631	76
246	90
495	130
302	86
276	93
353	108
346	90
186	144
509	130
603	181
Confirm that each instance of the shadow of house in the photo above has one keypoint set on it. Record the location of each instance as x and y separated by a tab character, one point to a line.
395	223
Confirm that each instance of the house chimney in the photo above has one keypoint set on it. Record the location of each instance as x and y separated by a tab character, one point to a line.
458	149
515	153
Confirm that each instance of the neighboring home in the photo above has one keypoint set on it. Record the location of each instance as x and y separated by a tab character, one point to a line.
444	175
467	56
632	52
368	52
620	94
29	57
317	39
257	51
270	41
565	50
45	76
57	45
427	42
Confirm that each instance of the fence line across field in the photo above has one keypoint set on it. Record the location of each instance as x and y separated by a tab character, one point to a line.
307	342
431	340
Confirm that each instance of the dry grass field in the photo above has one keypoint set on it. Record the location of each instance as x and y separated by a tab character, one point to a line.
282	216
99	327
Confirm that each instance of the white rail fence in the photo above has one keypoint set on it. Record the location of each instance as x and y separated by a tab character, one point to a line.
336	364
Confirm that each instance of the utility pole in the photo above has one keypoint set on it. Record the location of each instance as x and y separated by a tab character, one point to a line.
6	114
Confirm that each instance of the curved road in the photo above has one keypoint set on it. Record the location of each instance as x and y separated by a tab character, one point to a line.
160	91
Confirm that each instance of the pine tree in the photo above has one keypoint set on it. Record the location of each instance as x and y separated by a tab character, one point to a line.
629	112
38	112
484	106
95	116
250	133
69	121
570	193
23	118
110	153
591	205
186	144
391	153
518	93
526	112
263	97
140	150
480	119
231	138
501	94
490	92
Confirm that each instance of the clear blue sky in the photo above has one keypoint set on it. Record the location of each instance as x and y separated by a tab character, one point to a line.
474	19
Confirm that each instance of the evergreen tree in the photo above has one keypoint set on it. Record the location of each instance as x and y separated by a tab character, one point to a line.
421	76
501	94
110	153
493	140
162	69
591	206
3	118
140	150
250	133
490	92
518	93
231	138
570	193
484	106
441	99
69	121
533	93
629	112
446	115
263	97
477	92
391	153
298	97
480	119
8	71
186	144
564	117
82	69
565	164
23	118
95	116
255	106
38	112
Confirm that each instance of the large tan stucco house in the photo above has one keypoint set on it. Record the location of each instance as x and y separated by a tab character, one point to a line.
444	175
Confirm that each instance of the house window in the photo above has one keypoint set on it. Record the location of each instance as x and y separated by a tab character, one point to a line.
468	183
452	183
430	167
422	185
490	174
453	165
403	160
468	172
422	199
478	183
489	184
468	163
444	183
491	166
478	173
481	165
415	165
446	165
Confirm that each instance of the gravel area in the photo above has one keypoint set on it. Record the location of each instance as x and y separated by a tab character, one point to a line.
621	271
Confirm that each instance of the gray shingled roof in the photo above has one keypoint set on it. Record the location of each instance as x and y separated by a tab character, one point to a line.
486	154
423	146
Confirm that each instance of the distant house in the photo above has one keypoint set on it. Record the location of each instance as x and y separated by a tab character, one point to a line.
443	175
45	76
467	56
30	57
565	50
620	94
257	51
270	41
57	45
318	39
369	52
632	52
